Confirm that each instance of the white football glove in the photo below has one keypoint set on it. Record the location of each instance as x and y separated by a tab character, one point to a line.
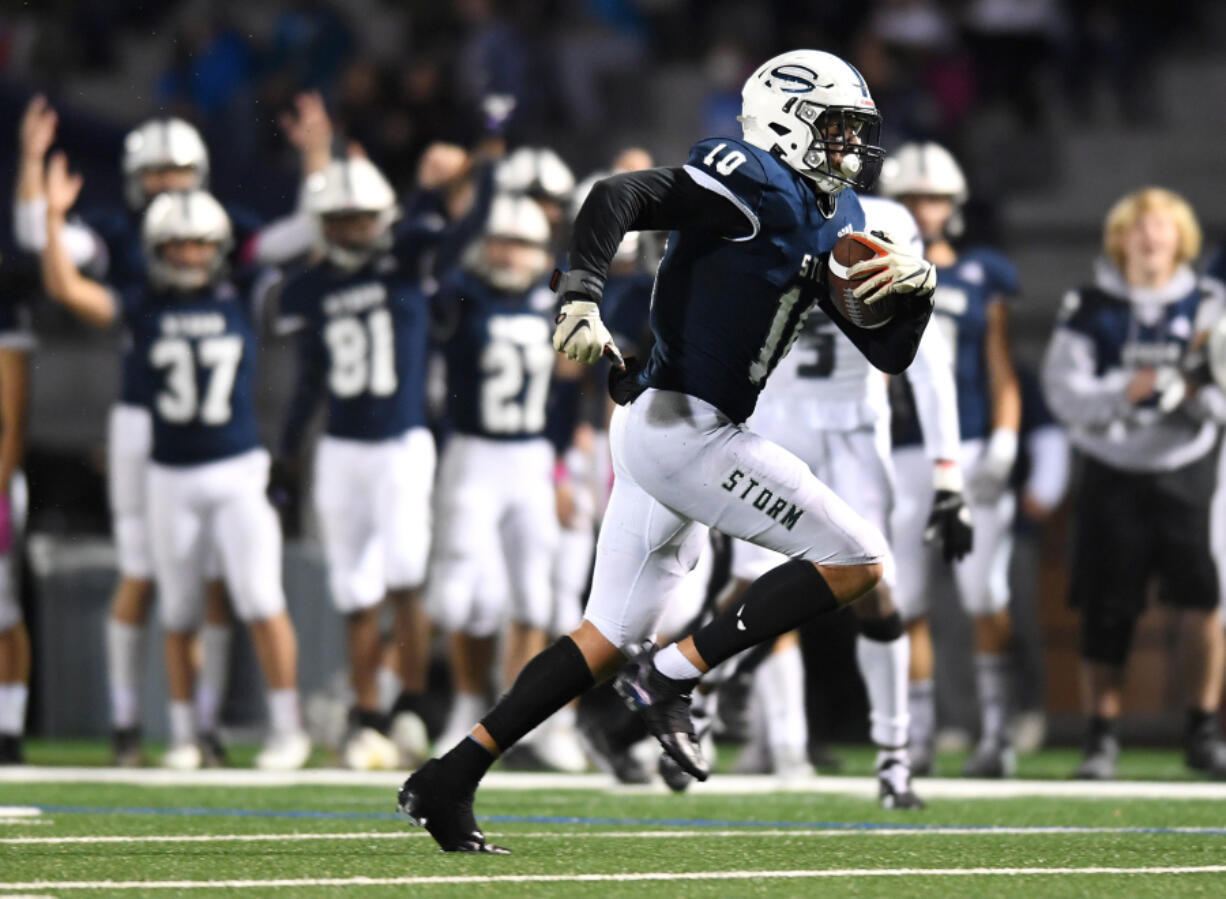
895	271
581	335
990	477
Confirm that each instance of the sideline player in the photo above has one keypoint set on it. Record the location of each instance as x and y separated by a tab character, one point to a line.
971	310
194	341
364	326
495	494
825	403
753	222
158	155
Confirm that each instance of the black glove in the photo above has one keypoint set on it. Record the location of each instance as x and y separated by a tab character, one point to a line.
950	525
285	494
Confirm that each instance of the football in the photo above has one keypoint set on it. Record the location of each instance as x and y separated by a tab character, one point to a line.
849	250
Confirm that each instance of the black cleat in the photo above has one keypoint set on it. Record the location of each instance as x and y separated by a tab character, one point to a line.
677	780
894	785
664	704
126	748
1205	751
11	752
446	814
212	750
609	755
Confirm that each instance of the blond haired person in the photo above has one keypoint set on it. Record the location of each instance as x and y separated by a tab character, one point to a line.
1114	375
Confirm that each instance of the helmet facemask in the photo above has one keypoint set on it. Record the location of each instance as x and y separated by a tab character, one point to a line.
844	150
178	275
345	244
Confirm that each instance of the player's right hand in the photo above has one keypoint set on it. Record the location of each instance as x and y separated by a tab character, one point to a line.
949	523
580	335
62	186
38	128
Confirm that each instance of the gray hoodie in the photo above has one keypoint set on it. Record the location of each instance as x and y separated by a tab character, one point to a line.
1103	336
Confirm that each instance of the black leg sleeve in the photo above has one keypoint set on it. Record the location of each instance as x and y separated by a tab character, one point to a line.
553	678
782	599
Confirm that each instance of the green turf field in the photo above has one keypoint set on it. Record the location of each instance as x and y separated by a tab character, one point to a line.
312	839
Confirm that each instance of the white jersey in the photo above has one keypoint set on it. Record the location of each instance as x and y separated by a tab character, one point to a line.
826	384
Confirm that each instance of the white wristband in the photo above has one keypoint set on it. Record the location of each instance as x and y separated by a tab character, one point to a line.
1002	447
947	475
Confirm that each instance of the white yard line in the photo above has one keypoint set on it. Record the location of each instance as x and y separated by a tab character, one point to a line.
934	788
833	873
612	834
19	811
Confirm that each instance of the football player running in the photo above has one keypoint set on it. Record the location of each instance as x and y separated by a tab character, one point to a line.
364	326
193	349
158	155
971	311
753	222
825	403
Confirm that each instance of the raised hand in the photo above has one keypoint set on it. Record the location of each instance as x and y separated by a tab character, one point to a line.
62	186
37	132
309	129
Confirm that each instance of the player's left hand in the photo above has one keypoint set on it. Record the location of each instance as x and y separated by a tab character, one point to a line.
988	482
579	334
949	523
892	271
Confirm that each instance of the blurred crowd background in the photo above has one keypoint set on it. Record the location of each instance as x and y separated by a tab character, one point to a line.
1054	107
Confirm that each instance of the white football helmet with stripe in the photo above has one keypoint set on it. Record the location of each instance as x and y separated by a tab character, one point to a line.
159	144
814	111
192	215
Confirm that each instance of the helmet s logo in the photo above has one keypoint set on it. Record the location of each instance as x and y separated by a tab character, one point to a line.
794	78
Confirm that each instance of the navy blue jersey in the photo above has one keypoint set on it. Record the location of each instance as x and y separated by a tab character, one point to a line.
119	229
20	283
1122	341
195	361
626	311
500	357
964	292
367	332
726	310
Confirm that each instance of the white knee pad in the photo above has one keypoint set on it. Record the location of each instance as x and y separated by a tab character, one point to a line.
10	608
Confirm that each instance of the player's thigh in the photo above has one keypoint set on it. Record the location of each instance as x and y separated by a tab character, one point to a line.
529	532
178	544
750	561
345	504
1185	559
1114	545
403	503
912	506
983	573
858	469
694	461
682	611
572	569
468	505
248	538
643	552
129	440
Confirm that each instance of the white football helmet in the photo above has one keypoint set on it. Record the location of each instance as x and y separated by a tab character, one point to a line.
923	168
521	220
805	107
537	172
185	215
349	186
161	143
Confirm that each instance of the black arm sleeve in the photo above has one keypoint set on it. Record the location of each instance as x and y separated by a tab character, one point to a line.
661	199
892	347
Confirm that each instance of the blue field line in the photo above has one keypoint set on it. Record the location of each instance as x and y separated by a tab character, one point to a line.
304	814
